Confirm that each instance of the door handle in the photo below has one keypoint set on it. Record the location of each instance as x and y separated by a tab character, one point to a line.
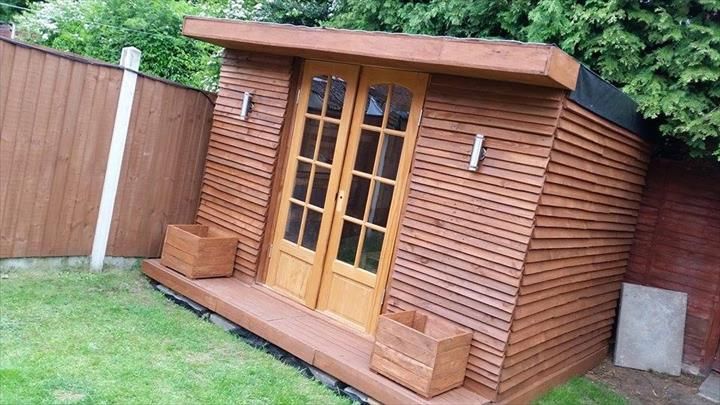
340	199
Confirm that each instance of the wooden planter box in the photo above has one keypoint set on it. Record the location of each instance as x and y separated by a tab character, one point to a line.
198	251
422	352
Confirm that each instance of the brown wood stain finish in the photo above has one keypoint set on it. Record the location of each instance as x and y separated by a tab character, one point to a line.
56	119
464	235
677	247
242	156
584	226
172	124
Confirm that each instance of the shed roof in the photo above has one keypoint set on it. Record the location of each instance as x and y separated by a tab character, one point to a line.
538	64
513	61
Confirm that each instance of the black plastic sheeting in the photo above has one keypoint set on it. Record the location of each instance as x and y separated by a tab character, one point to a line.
609	102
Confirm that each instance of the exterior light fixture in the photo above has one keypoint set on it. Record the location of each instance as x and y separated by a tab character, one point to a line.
246	105
478	152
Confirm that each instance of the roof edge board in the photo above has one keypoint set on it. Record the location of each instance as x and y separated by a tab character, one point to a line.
538	64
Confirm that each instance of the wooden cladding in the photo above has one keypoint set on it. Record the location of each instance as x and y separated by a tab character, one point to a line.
242	155
56	119
464	235
584	227
677	247
529	251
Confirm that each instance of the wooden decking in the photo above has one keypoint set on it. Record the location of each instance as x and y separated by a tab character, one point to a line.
304	333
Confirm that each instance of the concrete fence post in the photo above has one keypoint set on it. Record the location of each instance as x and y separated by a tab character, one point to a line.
130	60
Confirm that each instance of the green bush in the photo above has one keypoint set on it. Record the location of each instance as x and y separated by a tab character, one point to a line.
101	28
665	54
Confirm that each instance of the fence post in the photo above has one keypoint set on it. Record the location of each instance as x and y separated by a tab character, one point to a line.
130	60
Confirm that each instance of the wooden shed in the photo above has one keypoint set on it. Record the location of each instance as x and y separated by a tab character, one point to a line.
350	186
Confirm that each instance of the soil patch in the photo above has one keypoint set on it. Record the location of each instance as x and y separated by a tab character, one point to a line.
644	387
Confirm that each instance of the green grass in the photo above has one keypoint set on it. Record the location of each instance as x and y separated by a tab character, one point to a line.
581	391
72	336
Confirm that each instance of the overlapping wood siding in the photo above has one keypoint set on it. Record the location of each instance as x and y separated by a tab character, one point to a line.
464	234
677	247
243	155
579	250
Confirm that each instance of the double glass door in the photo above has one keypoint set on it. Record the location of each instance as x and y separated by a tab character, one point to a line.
347	169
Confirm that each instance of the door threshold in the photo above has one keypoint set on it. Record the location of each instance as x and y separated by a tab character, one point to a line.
327	316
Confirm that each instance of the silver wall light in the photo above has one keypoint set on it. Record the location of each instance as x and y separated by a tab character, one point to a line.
246	105
478	152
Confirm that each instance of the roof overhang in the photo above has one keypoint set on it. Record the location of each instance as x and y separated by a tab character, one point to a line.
537	64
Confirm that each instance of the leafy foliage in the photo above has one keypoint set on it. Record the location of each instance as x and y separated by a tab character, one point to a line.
297	12
665	54
14	7
100	29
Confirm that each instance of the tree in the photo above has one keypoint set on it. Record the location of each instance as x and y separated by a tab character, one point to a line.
298	12
101	28
665	54
13	7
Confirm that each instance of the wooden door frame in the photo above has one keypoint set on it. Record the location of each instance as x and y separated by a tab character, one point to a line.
278	182
418	86
284	156
304	91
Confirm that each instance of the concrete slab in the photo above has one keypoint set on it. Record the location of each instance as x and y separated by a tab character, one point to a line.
650	329
710	389
224	323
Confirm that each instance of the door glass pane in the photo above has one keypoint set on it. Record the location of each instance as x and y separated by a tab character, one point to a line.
302	177
336	98
390	154
375	105
367	148
400	102
317	94
372	246
357	198
349	242
380	204
320	186
307	148
312	229
327	142
292	228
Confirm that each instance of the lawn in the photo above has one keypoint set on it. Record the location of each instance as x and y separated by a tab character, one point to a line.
72	336
581	391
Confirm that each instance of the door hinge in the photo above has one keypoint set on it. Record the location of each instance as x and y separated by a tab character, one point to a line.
422	110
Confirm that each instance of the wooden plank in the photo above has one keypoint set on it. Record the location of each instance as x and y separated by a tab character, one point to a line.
584	226
542	64
676	247
55	139
307	334
243	156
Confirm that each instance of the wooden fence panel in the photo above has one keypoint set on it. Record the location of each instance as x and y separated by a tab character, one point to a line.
56	119
162	167
677	247
56	125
